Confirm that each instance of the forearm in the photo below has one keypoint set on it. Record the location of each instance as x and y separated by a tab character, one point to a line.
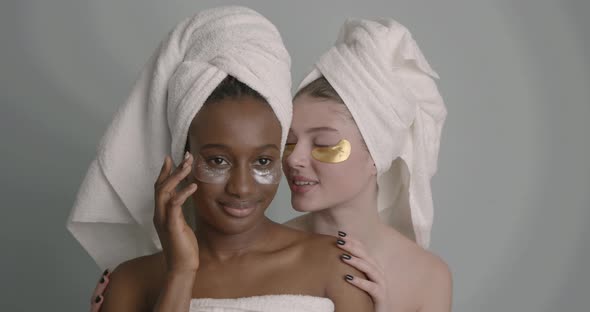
176	293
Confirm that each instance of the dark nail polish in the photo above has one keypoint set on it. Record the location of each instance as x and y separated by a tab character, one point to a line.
341	234
349	277
97	299
105	272
345	257
340	242
102	280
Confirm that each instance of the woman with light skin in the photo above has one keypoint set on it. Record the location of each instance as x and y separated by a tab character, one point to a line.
360	154
334	176
341	198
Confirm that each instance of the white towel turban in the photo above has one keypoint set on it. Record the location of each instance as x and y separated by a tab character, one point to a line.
387	84
112	215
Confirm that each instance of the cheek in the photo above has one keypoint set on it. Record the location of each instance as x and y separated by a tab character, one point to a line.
345	177
268	192
206	194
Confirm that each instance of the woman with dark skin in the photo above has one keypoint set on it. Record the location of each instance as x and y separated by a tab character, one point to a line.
216	90
236	252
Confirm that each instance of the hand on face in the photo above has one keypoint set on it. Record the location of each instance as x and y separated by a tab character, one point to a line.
179	243
375	284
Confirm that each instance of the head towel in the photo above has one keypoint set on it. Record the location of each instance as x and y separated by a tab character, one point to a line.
113	211
381	75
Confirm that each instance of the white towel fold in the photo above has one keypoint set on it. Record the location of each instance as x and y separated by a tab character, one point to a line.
112	215
266	303
387	84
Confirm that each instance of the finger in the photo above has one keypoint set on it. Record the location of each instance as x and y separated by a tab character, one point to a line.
174	209
372	272
100	286
164	171
183	169
158	199
166	188
355	248
96	303
370	287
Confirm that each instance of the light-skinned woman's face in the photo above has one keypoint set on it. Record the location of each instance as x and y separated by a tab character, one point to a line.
321	170
234	140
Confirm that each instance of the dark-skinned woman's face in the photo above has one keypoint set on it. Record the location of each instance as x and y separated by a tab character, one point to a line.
236	147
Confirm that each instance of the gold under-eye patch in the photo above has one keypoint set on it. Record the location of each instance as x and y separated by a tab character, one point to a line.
332	154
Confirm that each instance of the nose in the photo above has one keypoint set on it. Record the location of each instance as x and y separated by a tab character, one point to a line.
298	158
241	184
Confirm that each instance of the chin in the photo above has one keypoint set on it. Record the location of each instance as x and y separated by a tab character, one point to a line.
223	223
305	205
231	226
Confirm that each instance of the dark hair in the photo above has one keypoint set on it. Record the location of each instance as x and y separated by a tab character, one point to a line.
231	88
320	88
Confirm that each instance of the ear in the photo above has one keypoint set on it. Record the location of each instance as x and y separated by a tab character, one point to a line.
371	165
373	169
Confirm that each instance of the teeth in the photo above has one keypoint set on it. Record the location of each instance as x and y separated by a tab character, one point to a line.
300	183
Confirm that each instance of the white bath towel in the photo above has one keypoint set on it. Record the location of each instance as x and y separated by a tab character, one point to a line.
267	303
112	215
380	73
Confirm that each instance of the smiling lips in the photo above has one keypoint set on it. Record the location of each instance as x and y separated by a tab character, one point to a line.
300	185
239	209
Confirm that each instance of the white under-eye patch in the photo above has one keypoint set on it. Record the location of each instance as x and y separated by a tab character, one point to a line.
217	170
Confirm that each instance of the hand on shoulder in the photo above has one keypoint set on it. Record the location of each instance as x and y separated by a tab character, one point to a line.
333	272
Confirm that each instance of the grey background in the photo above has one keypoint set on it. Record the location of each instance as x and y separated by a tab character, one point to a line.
511	196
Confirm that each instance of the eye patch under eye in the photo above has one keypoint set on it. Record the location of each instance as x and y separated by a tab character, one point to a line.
212	173
208	172
332	154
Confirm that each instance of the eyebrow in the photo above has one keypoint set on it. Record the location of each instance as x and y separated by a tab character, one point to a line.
213	146
319	129
225	147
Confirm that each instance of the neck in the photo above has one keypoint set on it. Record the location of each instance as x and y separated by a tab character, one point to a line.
218	246
357	217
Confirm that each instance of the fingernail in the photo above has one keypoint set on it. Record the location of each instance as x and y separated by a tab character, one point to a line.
97	299
186	154
345	257
341	234
349	277
102	280
105	272
340	242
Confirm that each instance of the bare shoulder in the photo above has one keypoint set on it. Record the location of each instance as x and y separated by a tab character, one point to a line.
323	256
133	283
437	284
428	275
